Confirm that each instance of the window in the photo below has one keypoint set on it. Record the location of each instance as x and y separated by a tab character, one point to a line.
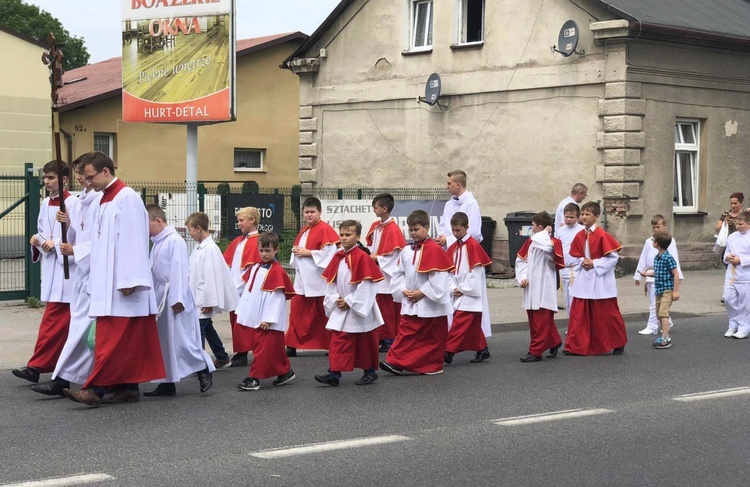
421	32
249	159
470	21
686	157
105	143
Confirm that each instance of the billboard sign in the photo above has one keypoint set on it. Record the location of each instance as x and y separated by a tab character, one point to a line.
178	61
270	206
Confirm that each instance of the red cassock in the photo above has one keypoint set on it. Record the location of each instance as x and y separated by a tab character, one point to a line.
307	315
243	337
595	325
269	354
53	332
391	240
419	346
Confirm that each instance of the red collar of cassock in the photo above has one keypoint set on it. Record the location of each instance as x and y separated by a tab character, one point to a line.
276	278
56	201
360	265
250	254
432	256
601	243
319	235
111	191
391	237
557	247
476	254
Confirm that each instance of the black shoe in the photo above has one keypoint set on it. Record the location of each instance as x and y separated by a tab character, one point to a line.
531	358
249	384
328	379
163	389
285	379
566	352
291	352
619	350
481	356
205	378
448	358
384	346
220	364
52	388
239	360
390	368
27	373
367	379
553	352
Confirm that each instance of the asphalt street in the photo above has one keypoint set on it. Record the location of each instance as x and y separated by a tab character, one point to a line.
622	424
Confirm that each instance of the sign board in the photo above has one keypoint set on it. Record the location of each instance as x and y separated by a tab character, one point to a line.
336	211
270	206
176	209
178	61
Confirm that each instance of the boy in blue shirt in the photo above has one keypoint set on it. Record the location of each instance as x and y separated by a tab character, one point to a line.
666	285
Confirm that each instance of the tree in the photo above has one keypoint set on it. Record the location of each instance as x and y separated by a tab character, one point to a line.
33	22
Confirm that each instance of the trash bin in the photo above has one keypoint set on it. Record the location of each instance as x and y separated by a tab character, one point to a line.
488	232
519	230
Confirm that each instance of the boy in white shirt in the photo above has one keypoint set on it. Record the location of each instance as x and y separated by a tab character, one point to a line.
737	281
566	233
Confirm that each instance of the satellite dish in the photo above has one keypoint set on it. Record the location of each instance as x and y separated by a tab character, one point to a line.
567	40
432	89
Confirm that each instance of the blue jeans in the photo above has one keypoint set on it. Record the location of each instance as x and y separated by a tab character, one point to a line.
208	333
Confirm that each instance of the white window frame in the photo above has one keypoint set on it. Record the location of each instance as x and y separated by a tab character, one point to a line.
111	151
413	23
461	8
681	147
249	169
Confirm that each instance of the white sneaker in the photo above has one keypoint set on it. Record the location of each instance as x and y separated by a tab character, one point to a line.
740	335
730	333
647	331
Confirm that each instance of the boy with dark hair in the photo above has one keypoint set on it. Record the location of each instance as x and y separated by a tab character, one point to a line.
211	283
262	307
353	314
470	326
666	285
645	270
737	280
595	325
536	265
463	201
385	241
313	250
566	233
423	278
56	291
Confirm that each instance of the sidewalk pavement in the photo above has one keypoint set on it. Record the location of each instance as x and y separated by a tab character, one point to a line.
700	294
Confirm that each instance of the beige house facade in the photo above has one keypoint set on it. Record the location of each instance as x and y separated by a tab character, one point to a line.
25	106
653	114
261	145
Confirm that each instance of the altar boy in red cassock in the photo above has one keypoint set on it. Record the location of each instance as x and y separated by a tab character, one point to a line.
471	318
385	241
123	303
595	325
354	318
56	291
313	250
423	279
242	253
536	271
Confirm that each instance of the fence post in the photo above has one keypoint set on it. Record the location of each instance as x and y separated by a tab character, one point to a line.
32	187
143	195
201	197
359	193
341	193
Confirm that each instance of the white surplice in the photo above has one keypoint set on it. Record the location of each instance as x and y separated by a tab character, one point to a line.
363	314
179	333
257	306
465	203
539	270
473	285
566	235
55	288
596	283
737	283
646	262
76	359
434	285
308	271
211	280
119	258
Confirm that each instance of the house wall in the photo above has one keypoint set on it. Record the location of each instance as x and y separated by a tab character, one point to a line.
25	116
267	118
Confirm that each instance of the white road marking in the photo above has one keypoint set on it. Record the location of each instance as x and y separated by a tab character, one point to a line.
552	416
328	446
62	482
699	396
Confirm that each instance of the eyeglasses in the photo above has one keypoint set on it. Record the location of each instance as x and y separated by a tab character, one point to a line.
88	179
